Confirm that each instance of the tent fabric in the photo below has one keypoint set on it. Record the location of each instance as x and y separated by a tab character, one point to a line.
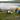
18	11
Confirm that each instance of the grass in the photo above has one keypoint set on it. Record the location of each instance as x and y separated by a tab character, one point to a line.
5	16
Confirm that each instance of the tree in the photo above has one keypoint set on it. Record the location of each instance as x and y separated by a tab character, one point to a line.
7	11
0	10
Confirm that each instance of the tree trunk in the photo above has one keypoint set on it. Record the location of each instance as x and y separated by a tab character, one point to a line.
7	11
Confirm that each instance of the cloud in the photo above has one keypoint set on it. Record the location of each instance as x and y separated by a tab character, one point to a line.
7	5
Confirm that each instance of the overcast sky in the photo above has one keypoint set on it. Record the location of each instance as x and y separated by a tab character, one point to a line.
8	5
7	0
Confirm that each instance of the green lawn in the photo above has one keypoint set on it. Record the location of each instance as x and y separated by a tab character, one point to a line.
5	16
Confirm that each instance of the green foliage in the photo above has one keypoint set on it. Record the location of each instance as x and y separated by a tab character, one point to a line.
2	14
14	14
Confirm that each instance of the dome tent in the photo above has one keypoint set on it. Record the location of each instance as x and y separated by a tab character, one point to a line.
18	10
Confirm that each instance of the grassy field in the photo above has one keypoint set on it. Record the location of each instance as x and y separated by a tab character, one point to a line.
5	16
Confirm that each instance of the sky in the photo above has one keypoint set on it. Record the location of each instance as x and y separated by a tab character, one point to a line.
8	5
7	0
